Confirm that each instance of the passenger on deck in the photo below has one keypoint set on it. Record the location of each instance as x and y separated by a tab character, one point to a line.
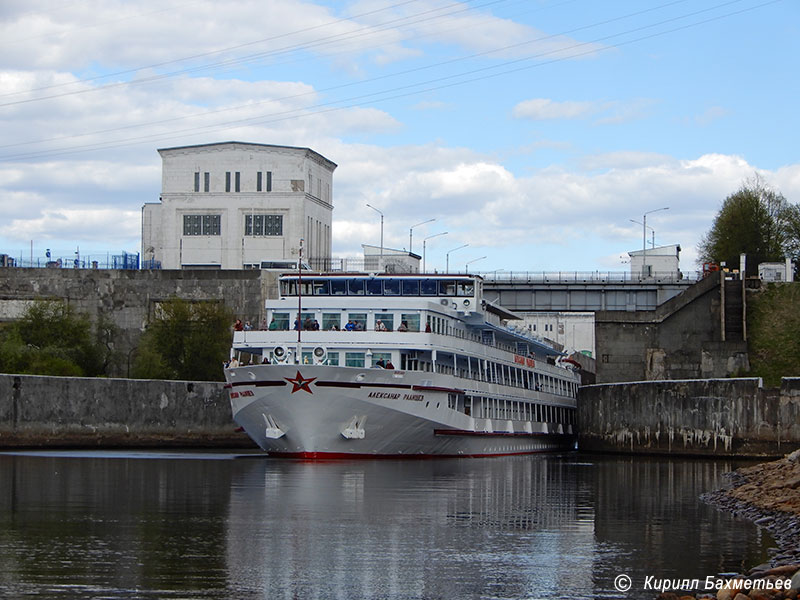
380	363
350	326
379	326
389	365
358	326
403	326
238	326
273	325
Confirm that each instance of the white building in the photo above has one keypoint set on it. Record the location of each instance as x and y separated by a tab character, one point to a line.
234	205
654	262
572	330
389	260
777	272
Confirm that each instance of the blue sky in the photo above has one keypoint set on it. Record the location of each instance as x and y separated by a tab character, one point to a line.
534	131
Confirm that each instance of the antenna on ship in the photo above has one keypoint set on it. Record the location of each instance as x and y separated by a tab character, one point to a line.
299	301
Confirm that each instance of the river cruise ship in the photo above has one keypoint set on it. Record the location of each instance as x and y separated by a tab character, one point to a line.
368	365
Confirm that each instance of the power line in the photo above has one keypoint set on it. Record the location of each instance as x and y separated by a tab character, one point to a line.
233	61
361	82
408	90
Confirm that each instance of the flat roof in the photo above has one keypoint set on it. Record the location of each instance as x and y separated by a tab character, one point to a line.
234	142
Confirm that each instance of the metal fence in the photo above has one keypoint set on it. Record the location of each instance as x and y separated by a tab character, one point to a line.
125	260
586	277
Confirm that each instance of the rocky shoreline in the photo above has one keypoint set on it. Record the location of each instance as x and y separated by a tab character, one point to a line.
769	495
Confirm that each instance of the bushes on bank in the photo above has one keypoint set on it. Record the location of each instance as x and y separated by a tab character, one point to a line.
52	339
185	340
773	331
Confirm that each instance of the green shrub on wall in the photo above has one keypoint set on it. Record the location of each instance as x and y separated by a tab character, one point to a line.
52	339
185	340
773	331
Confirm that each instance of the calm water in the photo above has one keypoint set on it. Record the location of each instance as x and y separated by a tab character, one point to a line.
187	525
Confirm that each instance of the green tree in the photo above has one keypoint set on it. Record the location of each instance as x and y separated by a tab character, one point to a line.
186	340
752	221
52	339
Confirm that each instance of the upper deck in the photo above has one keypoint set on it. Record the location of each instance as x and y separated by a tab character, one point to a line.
386	285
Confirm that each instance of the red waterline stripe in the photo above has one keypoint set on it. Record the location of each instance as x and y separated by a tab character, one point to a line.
333	456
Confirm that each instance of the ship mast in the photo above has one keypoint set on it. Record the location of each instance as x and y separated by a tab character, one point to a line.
299	301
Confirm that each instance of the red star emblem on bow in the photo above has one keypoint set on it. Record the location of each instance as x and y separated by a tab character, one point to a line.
299	383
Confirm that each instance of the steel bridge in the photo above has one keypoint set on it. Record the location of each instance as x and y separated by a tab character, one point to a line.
532	291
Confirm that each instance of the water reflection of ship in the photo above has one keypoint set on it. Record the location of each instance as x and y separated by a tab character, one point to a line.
410	529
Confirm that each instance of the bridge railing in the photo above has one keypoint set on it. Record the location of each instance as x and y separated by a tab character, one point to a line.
587	277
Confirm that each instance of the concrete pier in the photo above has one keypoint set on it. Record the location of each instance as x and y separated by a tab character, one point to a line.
704	417
38	411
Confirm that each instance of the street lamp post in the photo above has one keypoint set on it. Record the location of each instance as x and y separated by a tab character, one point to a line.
411	231
447	268
423	247
381	214
644	238
466	266
652	232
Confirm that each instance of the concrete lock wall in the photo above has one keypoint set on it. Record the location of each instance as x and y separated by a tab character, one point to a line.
680	339
708	417
37	411
128	298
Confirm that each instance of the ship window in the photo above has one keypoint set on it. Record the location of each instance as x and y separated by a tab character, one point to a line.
308	358
411	320
391	287
386	357
359	320
355	287
411	287
354	359
308	320
374	287
321	287
465	288
427	287
288	287
338	287
447	288
387	319
333	359
331	321
280	320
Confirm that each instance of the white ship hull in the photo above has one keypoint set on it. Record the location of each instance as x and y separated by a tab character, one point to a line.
317	411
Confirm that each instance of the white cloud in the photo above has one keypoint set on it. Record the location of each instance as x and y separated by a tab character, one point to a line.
541	109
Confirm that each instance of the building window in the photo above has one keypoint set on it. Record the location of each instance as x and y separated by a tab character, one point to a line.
238	181
202	225
197	181
264	181
206	181
227	181
263	225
